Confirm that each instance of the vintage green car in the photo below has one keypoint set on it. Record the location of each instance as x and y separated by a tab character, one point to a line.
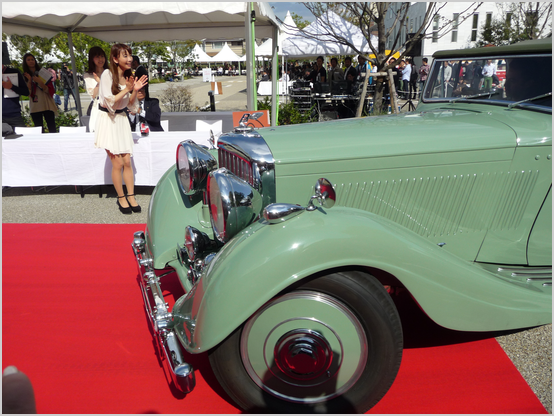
289	242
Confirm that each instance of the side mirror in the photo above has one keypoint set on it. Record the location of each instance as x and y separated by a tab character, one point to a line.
324	194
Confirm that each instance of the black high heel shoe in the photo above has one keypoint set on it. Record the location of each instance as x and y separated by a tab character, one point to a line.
135	208
124	210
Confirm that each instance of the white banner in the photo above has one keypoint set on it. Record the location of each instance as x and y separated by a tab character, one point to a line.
206	75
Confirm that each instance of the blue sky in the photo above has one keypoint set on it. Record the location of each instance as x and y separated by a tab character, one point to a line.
280	9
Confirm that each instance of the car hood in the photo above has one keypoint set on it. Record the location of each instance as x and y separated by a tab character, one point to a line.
425	133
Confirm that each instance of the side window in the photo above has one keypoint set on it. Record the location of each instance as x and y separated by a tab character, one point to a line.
520	84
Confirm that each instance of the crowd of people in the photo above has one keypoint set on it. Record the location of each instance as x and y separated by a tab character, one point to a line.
408	79
318	72
470	75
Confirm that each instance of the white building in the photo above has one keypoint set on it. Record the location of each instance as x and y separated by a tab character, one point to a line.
457	25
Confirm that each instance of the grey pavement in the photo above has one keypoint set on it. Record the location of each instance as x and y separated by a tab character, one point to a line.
530	350
232	97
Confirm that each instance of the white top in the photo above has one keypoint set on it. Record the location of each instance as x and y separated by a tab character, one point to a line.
90	83
107	99
406	72
488	70
112	130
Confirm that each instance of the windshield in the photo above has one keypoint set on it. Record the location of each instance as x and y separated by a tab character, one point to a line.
500	79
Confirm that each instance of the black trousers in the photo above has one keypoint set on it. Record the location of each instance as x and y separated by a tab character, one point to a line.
413	89
14	121
50	118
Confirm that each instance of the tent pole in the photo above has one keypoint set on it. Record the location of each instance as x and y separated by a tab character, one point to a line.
251	95
275	79
253	52
75	83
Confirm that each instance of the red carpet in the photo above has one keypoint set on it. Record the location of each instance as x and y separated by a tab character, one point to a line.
74	322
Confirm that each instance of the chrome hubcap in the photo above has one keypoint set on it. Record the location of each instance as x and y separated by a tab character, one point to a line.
304	347
303	354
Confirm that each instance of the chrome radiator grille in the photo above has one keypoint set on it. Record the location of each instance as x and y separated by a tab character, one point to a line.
240	167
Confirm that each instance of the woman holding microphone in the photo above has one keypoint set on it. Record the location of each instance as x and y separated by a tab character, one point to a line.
118	90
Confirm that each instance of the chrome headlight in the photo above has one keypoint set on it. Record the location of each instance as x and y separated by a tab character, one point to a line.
196	242
233	203
193	166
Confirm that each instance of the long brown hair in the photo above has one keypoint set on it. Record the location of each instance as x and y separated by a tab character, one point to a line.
26	67
114	54
93	53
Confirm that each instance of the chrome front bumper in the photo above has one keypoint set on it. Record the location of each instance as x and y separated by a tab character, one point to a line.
161	319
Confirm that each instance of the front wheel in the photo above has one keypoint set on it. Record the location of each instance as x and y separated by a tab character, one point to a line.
332	345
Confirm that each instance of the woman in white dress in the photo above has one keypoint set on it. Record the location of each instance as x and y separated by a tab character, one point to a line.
118	89
97	63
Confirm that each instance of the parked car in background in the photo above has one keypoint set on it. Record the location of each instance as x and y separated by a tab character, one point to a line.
291	242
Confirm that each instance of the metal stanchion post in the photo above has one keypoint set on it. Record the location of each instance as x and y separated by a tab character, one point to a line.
212	100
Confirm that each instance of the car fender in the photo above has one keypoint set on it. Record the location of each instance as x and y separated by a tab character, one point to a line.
169	212
265	259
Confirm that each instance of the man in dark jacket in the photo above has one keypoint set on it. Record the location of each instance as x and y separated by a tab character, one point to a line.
149	112
68	86
139	71
13	85
319	73
349	68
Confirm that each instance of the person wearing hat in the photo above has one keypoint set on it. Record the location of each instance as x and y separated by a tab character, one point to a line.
13	86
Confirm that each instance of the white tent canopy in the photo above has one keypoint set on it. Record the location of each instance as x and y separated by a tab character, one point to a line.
288	28
126	21
226	54
265	49
143	21
198	55
315	40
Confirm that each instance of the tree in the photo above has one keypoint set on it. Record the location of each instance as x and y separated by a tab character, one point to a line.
300	22
370	18
496	33
39	47
181	49
58	47
81	46
151	50
520	21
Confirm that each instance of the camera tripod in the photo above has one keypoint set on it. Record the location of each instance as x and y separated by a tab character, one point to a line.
410	104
